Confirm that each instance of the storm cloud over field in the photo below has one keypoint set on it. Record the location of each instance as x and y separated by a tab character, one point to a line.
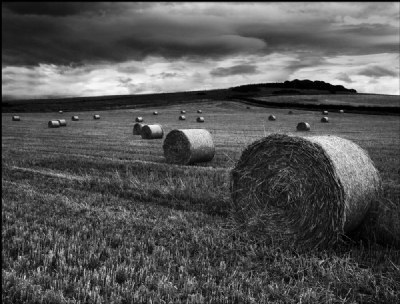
89	49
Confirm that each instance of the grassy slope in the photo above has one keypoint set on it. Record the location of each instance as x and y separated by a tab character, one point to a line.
91	213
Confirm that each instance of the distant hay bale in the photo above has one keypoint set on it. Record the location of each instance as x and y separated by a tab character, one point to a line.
155	113
188	146
303	126
75	118
152	132
60	112
53	124
324	119
96	116
63	122
200	119
272	118
139	119
290	112
303	191
182	117
183	112
137	128
199	111
324	112
341	111
16	118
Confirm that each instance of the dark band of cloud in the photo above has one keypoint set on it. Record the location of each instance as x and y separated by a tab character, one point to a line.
377	71
234	70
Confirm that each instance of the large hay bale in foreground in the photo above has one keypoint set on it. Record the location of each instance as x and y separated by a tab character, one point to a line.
96	116
63	122
16	118
303	191
182	117
303	126
188	146
152	132
272	117
53	124
200	119
137	128
324	119
139	119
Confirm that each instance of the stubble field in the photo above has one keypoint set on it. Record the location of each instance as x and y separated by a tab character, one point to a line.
93	214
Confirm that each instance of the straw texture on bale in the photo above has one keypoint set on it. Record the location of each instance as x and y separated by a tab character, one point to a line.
200	119
188	146
152	132
199	111
272	118
155	113
324	119
137	128
303	191
182	117
75	118
303	126
63	122
96	116
16	118
53	124
324	112
139	119
183	112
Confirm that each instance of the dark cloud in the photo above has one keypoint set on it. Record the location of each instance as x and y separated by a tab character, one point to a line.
377	71
344	77
234	70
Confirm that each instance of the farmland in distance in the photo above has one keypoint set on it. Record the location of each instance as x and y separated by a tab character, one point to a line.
93	214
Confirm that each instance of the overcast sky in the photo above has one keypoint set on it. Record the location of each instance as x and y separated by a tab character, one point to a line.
65	49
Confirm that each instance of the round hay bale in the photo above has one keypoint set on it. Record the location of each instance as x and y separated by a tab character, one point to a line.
324	112
341	111
60	112
75	118
53	124
199	111
137	128
200	119
139	119
290	112
324	119
96	116
63	122
152	132
155	113
188	146
183	112
272	118
182	117
16	118
303	126
303	191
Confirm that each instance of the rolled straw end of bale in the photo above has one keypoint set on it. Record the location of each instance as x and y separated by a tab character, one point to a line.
139	119
200	119
271	117
53	124
137	128
324	119
16	118
152	132
303	191
188	146
303	126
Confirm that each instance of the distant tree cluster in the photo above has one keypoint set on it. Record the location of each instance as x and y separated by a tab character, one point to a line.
294	84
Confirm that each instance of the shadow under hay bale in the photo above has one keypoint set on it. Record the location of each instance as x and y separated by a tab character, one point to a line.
303	191
137	128
182	117
63	122
96	116
200	119
303	126
324	119
139	119
74	118
53	124
188	146
16	118
152	132
272	118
